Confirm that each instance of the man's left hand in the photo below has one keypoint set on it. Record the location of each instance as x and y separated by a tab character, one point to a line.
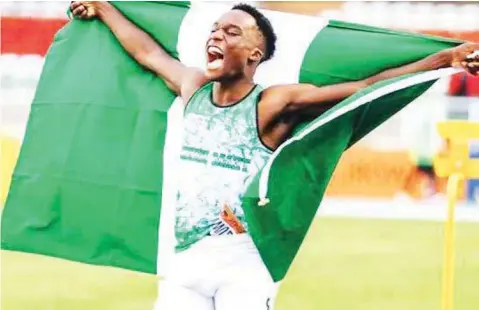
466	56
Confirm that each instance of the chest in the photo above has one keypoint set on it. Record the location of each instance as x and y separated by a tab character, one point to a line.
220	128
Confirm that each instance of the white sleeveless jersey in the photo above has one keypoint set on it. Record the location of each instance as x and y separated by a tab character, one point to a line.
221	153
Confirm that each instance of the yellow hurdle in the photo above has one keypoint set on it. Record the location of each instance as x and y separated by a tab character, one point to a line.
455	164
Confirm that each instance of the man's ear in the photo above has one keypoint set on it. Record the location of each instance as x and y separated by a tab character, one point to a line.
256	55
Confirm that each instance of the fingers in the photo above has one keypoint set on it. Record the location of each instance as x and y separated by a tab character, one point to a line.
473	56
79	10
466	56
74	5
471	66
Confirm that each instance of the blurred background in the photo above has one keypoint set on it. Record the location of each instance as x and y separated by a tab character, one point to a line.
401	149
388	174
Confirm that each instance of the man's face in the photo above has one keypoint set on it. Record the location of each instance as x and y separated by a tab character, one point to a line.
234	43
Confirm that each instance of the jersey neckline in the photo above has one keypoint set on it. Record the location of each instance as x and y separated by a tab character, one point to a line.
233	104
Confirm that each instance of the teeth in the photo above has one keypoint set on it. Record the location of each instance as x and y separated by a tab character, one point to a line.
214	49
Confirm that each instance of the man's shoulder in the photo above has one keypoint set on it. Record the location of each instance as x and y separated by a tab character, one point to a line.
273	100
194	81
274	93
196	77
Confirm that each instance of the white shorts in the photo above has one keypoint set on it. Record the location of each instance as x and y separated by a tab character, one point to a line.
217	273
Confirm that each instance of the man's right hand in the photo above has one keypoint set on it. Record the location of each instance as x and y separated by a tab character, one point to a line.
84	9
180	79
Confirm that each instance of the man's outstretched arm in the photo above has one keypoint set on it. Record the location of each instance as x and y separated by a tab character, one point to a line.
143	48
306	97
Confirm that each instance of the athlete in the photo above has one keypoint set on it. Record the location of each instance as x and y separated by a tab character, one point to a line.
231	127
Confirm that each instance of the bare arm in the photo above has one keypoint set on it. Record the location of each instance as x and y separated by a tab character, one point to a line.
143	48
308	97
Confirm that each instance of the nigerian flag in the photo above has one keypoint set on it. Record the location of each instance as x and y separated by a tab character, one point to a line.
95	180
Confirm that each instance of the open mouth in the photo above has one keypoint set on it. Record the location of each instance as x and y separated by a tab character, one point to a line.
215	57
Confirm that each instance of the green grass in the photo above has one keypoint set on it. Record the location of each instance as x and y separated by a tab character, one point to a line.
348	264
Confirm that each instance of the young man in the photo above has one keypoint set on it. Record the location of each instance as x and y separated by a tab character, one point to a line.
228	117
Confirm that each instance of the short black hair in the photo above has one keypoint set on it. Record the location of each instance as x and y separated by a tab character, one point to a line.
264	26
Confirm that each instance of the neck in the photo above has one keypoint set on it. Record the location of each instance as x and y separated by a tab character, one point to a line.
227	93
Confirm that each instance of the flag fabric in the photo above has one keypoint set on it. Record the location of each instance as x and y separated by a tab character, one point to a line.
95	180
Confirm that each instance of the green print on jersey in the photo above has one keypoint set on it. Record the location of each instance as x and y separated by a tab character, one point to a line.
221	153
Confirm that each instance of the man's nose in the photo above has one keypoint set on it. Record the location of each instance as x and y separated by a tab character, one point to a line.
217	35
